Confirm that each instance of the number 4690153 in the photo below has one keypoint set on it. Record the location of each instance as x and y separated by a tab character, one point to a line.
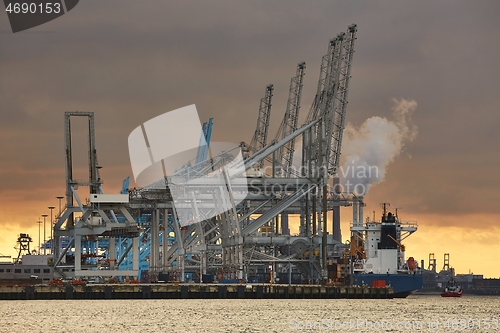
33	8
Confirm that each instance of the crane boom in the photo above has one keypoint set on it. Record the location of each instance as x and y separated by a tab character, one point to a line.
325	81
284	157
330	102
259	139
204	141
340	104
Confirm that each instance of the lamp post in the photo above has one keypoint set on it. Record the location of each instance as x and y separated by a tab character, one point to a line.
44	237
51	228
39	223
289	264
59	198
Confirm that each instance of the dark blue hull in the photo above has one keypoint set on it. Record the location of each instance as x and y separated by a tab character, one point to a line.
403	284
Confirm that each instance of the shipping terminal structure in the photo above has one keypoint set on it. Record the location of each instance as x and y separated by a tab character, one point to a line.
140	233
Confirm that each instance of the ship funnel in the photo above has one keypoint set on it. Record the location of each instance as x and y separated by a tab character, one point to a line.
357	212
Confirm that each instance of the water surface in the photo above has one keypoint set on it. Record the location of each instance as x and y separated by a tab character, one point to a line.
412	314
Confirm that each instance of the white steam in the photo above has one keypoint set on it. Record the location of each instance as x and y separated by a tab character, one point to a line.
369	149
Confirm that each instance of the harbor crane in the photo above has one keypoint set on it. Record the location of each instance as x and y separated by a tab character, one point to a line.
251	239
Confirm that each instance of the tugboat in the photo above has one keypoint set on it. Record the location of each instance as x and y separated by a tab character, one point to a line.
378	257
452	290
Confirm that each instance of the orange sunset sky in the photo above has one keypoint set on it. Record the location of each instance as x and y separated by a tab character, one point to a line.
129	61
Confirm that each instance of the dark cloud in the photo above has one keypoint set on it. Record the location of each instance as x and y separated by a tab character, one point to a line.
129	61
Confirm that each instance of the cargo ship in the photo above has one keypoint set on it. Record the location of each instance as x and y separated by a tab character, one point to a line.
378	256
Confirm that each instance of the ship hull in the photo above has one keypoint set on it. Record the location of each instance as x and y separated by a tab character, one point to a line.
451	293
402	284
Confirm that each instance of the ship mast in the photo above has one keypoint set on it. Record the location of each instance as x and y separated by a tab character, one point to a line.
384	209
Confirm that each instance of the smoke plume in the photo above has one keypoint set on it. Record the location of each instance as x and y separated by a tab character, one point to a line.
369	149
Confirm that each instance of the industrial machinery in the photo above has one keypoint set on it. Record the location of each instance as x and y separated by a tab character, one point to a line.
140	230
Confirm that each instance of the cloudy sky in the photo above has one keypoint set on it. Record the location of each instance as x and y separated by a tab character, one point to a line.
129	61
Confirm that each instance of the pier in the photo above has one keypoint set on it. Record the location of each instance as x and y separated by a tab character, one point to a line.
191	291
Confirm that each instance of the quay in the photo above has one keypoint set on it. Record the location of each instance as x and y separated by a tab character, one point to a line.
191	291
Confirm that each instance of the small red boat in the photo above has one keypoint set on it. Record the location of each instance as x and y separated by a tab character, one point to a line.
452	290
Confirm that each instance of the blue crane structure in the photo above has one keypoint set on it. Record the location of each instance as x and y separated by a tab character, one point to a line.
165	229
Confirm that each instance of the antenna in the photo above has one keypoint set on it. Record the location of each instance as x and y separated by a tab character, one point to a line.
384	208
397	208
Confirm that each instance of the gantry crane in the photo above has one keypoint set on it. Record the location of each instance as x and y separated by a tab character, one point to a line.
85	223
234	243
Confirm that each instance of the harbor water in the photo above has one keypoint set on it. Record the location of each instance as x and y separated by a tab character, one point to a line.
417	313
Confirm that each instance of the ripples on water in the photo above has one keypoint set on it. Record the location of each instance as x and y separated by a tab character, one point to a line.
267	316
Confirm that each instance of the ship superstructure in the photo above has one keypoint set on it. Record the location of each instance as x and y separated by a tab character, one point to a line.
378	254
